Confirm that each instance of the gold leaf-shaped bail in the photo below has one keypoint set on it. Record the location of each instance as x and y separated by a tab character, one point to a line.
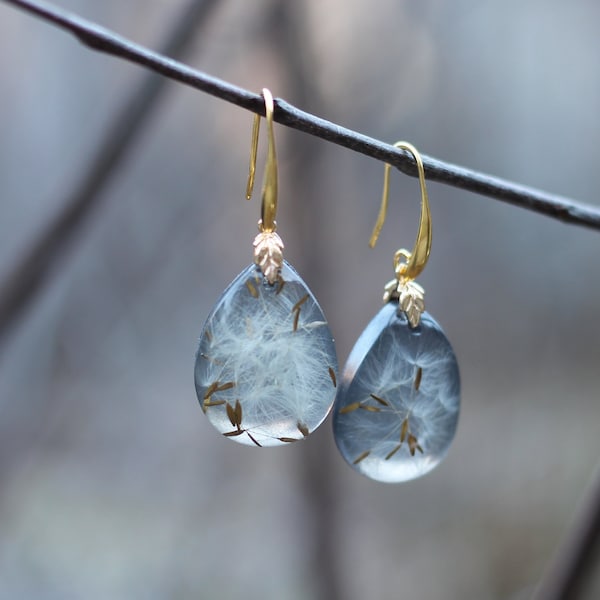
407	265
268	247
411	299
268	254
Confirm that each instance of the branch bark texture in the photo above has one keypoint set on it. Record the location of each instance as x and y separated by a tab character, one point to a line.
103	40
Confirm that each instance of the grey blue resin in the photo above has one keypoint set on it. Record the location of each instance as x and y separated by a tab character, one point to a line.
266	367
398	400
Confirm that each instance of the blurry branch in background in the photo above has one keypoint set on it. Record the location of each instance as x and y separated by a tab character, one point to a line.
567	575
28	276
286	27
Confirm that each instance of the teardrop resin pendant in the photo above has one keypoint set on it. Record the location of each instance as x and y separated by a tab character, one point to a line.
398	400
266	367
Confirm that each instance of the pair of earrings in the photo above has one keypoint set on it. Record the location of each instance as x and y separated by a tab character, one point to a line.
266	371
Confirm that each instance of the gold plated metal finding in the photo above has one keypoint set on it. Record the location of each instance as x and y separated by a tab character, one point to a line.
268	246
266	366
269	190
407	265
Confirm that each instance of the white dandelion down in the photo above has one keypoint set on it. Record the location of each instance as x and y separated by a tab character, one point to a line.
269	348
398	403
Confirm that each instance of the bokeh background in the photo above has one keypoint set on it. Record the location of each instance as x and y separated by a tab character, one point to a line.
112	482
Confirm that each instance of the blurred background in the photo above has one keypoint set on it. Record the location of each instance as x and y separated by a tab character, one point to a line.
112	482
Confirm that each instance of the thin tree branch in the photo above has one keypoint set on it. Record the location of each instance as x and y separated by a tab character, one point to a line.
567	574
287	27
129	120
103	40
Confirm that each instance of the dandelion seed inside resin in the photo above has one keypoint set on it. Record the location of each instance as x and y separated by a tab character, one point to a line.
398	399
266	368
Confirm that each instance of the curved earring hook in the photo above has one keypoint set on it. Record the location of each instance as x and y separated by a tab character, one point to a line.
416	260
268	210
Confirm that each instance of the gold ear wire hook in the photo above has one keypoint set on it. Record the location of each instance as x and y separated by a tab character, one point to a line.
417	259
267	222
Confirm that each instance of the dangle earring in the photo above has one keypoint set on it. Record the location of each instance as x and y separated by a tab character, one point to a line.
398	400
266	367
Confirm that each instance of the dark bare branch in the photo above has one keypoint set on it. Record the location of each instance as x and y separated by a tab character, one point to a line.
28	275
577	556
103	40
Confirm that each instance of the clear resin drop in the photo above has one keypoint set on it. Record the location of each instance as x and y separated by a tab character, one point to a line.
266	367
398	401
